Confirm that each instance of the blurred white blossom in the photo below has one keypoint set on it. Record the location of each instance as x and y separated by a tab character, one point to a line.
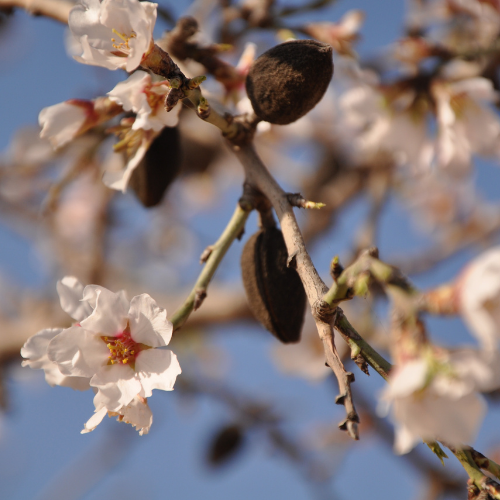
466	123
479	297
62	122
115	34
375	120
435	397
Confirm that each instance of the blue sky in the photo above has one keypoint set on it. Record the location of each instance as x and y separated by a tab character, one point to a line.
43	455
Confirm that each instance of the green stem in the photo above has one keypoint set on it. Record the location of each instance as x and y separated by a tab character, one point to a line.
218	250
358	345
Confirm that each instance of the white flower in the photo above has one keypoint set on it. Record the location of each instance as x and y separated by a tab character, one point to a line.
479	297
137	413
35	352
373	122
116	346
436	399
139	94
115	34
466	125
62	122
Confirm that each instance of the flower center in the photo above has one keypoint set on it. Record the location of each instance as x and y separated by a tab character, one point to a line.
123	46
122	348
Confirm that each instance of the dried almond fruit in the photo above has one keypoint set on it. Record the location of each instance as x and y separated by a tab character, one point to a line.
274	291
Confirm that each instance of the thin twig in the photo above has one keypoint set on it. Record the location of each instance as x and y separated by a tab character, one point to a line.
219	249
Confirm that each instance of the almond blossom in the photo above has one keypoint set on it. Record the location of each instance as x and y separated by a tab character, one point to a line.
115	34
377	120
466	124
434	397
62	122
139	94
478	292
115	347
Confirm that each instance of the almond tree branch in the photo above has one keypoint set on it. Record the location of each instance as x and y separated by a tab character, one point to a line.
259	177
232	231
55	9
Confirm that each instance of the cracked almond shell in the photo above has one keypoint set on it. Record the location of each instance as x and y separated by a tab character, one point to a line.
274	291
158	169
287	81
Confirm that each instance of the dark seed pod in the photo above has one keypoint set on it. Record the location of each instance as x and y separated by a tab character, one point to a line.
158	168
287	81
225	444
274	291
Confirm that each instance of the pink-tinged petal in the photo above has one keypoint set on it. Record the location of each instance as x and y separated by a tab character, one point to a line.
117	385
148	322
157	369
78	352
110	311
94	420
70	292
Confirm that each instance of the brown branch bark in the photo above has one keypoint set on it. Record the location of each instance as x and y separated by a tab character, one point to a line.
55	9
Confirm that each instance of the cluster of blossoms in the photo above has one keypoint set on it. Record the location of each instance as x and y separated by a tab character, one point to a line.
115	34
393	119
115	347
434	393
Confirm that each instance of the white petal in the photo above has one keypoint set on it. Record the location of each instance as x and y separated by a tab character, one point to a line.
406	379
35	348
117	385
70	292
130	93
110	311
138	414
94	420
157	369
61	123
78	352
148	322
404	440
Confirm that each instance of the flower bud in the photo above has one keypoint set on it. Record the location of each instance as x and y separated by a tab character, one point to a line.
274	291
287	81
158	169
